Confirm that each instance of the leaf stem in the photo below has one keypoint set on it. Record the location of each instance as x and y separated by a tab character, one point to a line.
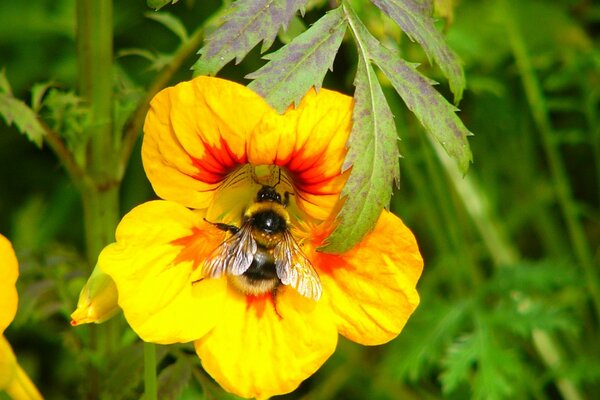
64	155
136	119
150	386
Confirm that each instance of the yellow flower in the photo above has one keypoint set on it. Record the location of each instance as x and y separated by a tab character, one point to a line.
209	147
13	380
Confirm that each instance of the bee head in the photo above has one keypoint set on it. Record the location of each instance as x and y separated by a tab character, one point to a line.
268	193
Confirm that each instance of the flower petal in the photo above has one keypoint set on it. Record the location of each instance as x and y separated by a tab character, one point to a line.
310	143
9	271
259	351
195	133
371	288
154	265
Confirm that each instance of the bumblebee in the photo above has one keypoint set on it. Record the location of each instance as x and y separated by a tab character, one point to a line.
262	254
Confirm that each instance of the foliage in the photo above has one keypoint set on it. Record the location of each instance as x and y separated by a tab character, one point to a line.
510	300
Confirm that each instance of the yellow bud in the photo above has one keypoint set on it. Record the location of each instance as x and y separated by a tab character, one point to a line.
97	300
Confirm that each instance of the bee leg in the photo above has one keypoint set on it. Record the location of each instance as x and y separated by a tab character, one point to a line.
224	227
286	198
197	280
274	296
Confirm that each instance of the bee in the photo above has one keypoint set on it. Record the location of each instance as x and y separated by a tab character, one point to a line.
262	254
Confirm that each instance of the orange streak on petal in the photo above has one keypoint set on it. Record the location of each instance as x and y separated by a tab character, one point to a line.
259	302
197	246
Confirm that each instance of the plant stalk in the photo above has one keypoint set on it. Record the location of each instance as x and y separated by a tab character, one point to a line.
150	386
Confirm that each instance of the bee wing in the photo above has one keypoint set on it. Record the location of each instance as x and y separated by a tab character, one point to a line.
295	269
233	256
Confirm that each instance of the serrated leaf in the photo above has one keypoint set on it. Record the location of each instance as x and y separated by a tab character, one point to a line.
418	350
303	63
416	21
4	84
158	4
170	22
374	158
37	93
295	28
173	379
15	111
436	114
458	362
250	22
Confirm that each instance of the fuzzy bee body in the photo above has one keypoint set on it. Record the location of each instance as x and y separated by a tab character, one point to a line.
262	253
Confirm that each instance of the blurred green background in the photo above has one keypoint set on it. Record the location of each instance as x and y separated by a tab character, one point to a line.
512	250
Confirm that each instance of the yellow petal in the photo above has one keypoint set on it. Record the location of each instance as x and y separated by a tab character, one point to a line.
13	379
372	288
260	351
8	364
97	300
196	133
310	143
154	265
9	272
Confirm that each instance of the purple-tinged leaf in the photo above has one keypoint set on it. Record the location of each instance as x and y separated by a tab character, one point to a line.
372	155
414	17
248	23
436	114
303	63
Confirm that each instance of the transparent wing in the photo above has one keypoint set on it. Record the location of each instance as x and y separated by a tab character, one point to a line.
295	269
233	256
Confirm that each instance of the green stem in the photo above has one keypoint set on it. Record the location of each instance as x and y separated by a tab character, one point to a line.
558	173
150	387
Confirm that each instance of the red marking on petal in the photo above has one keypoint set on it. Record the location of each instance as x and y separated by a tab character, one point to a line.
259	302
216	163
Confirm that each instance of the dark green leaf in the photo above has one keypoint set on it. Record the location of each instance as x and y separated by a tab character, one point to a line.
173	379
298	66
429	106
373	155
170	22
15	111
414	17
158	4
249	22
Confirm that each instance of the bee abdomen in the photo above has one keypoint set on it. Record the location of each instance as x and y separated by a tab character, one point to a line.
262	267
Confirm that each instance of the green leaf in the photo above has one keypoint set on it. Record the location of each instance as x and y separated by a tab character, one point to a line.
248	23
295	28
436	114
158	4
4	84
303	63
173	379
170	22
418	350
37	93
459	362
373	155
15	111
414	17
